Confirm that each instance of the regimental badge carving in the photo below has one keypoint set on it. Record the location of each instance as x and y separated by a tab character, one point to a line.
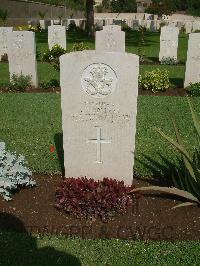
99	80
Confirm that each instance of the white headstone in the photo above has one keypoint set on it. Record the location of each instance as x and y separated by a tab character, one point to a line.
144	23
99	23
192	74
57	35
22	55
135	25
44	23
173	23
56	22
148	24
196	26
158	24
99	105
110	39
180	24
188	27
130	23
155	17
4	36
112	28
153	26
168	42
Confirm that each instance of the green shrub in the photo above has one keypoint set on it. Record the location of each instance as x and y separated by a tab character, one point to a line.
4	58
4	85
168	61
155	80
53	83
79	47
162	24
20	82
52	56
125	27
72	26
193	89
183	29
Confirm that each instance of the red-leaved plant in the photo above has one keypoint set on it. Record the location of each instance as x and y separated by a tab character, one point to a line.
90	199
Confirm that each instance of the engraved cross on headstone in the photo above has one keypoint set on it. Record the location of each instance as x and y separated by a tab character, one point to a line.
98	141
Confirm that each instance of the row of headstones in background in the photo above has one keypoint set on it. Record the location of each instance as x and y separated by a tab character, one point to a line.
44	24
22	52
111	38
151	25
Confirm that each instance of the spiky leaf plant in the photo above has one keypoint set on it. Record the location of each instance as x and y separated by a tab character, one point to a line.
186	178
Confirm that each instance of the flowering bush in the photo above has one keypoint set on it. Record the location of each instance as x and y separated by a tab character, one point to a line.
13	172
20	82
155	80
29	28
90	199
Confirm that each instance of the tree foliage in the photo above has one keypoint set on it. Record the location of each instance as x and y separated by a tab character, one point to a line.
161	7
120	6
191	7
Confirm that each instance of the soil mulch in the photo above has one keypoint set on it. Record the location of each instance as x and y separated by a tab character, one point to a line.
169	92
32	210
31	90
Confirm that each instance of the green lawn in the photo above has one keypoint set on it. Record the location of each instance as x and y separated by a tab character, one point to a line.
30	123
45	72
23	250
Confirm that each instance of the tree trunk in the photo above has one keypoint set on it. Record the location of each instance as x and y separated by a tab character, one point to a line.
90	17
